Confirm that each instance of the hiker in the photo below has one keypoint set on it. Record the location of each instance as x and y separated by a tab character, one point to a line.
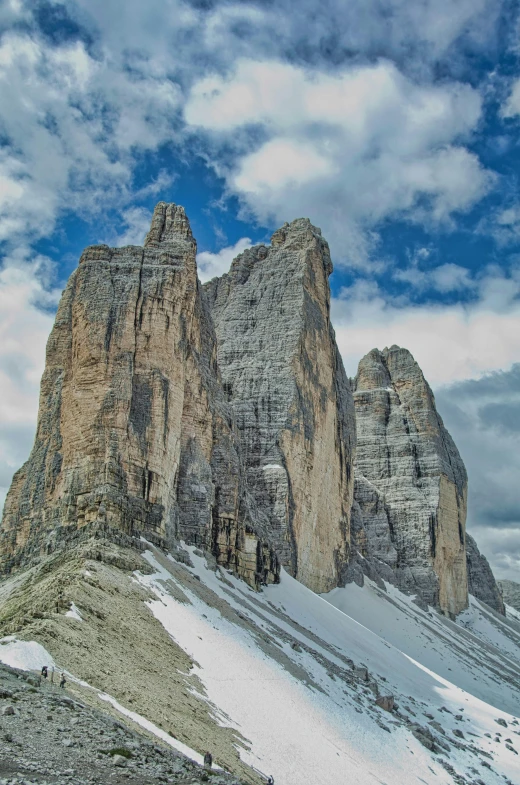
63	681
45	672
270	780
208	760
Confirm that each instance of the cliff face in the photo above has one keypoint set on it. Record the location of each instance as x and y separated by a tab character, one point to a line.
510	592
222	415
411	484
481	581
239	440
285	381
134	431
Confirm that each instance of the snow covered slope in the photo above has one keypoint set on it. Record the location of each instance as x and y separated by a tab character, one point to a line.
480	652
290	679
287	668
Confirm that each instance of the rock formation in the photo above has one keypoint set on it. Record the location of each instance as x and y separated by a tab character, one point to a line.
221	415
134	431
137	431
285	381
481	581
410	493
510	591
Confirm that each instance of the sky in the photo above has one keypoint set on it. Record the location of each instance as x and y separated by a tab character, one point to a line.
393	125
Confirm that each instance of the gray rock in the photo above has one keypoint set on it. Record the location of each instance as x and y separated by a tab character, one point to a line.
510	591
385	702
481	581
411	483
131	376
284	378
8	711
119	760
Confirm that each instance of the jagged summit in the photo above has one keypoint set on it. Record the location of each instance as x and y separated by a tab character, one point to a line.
143	427
409	468
222	415
169	224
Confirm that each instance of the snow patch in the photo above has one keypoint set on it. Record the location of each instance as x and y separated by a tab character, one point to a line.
272	466
149	726
24	655
74	613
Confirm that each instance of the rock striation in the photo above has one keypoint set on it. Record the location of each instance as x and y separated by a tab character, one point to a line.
510	591
222	416
153	423
481	581
411	485
134	430
284	379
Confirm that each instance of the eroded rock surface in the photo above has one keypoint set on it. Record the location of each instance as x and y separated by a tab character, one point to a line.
134	430
510	593
284	378
481	581
411	484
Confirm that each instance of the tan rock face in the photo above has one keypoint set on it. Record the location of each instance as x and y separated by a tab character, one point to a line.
285	381
133	428
410	474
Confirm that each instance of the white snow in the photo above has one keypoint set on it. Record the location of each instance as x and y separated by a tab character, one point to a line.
272	466
25	655
307	729
74	613
468	652
149	726
512	612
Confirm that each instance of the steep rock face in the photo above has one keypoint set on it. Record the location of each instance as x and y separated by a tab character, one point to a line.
510	591
133	429
411	484
481	581
284	378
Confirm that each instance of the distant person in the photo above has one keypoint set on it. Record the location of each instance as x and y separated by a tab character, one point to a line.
45	671
270	780
208	760
63	681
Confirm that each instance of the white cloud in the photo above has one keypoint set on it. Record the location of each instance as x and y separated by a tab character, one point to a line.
483	416
210	265
24	329
450	343
137	221
350	148
73	126
444	278
511	107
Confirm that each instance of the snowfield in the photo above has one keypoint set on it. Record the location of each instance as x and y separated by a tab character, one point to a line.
297	675
288	685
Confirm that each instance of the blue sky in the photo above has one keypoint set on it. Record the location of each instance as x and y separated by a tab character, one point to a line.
393	125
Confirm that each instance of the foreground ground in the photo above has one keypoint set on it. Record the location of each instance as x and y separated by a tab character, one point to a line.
280	682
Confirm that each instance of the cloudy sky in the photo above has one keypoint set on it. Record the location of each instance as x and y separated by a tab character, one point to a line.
393	124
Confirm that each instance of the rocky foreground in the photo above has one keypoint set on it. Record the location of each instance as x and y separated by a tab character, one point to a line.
50	736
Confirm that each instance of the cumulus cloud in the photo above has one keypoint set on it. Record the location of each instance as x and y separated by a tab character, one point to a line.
26	294
483	416
72	127
210	265
511	107
351	148
450	342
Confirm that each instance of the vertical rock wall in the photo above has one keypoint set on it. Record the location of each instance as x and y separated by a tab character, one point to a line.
284	378
408	466
481	581
134	430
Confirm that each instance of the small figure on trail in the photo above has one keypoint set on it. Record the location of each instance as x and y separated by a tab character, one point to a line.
208	760
63	681
270	780
45	672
